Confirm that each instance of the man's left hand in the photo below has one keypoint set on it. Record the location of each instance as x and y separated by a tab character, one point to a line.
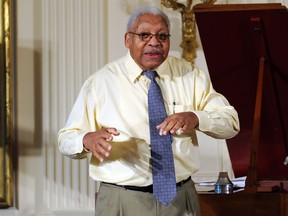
184	121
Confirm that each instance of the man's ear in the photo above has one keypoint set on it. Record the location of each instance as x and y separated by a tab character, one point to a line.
128	40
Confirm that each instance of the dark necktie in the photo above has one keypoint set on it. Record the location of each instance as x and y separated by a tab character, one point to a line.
164	183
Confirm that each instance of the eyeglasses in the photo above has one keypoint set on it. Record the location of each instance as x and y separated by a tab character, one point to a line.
146	36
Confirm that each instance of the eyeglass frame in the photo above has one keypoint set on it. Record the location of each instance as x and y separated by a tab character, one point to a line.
150	35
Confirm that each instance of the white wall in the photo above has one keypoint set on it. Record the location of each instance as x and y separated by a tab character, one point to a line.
59	43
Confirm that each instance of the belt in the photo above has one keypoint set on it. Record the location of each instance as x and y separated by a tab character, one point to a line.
147	189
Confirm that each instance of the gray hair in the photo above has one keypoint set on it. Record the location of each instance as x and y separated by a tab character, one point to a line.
146	10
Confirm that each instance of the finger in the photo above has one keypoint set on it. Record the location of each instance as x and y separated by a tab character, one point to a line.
97	155
165	127
184	128
105	145
107	136
102	150
176	127
162	125
113	131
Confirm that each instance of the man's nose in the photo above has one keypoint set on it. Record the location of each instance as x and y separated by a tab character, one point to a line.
154	40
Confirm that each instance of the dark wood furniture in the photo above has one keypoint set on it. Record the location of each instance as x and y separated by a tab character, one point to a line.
245	47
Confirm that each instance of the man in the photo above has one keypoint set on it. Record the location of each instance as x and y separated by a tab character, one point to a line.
110	120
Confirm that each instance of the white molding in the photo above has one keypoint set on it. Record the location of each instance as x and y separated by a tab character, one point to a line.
67	213
9	212
16	212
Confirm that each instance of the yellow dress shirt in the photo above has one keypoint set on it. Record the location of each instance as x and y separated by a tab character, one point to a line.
116	96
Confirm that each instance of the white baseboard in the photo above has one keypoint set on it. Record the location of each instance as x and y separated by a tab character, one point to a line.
15	212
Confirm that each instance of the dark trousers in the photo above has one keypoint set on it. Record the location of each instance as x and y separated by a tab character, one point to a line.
116	201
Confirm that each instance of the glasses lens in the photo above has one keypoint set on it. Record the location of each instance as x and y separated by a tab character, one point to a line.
162	37
145	36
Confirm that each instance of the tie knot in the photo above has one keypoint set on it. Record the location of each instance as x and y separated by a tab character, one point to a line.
150	74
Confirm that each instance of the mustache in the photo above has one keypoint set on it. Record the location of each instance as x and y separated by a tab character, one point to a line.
154	50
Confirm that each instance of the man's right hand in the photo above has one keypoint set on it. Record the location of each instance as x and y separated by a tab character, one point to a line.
97	142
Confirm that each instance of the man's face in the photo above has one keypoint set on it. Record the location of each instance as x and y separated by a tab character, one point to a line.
151	53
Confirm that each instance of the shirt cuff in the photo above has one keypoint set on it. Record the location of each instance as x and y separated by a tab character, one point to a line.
79	141
202	119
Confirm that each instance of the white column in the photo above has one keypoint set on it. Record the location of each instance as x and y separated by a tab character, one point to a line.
73	48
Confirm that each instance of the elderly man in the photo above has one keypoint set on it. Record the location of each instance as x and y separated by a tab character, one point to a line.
143	143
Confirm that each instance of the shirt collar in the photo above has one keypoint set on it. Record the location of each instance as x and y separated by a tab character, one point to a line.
164	70
133	70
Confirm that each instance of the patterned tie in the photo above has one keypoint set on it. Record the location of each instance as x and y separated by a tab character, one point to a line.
164	183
